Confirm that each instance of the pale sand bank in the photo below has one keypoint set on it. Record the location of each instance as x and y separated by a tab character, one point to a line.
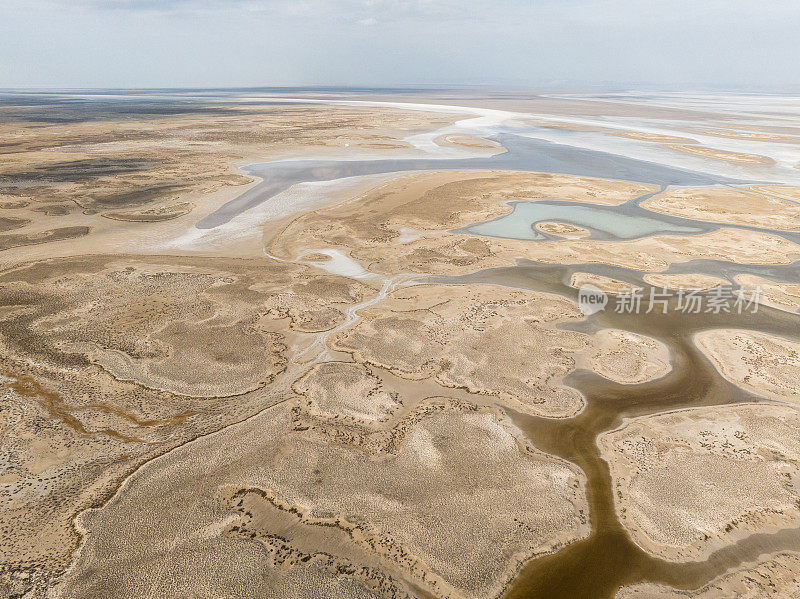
656	137
563	230
690	482
469	141
773	576
763	364
726	205
687	282
735	157
783	296
603	283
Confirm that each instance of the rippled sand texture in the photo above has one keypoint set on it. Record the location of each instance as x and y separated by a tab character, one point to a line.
766	365
316	508
689	482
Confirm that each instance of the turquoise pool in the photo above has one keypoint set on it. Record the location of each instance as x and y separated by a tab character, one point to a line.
608	221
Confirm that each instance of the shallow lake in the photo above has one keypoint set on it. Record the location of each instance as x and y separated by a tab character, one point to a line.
602	221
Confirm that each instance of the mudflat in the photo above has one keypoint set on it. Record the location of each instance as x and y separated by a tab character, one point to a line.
345	389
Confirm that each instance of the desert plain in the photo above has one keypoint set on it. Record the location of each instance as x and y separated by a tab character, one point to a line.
275	344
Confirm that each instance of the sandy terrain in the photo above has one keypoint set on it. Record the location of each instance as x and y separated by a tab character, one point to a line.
763	364
563	230
468	141
747	135
70	179
459	254
435	202
416	518
657	253
656	137
100	355
789	192
735	157
603	283
628	358
775	576
455	333
726	205
688	282
567	126
279	407
432	204
345	390
689	482
783	296
108	361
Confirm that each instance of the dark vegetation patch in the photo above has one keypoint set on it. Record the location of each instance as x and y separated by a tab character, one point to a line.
9	224
13	240
54	110
134	197
54	209
74	171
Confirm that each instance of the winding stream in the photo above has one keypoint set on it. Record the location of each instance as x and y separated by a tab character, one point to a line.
598	565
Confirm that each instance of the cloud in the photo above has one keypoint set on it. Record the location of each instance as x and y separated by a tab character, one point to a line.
169	43
358	10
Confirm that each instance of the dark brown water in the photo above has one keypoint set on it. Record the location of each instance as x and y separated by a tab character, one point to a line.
599	565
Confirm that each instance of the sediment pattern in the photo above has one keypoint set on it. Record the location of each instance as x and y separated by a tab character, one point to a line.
687	483
361	398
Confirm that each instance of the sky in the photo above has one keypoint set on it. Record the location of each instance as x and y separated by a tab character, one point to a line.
661	44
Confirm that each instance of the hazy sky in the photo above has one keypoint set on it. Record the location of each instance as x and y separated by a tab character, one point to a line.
222	43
